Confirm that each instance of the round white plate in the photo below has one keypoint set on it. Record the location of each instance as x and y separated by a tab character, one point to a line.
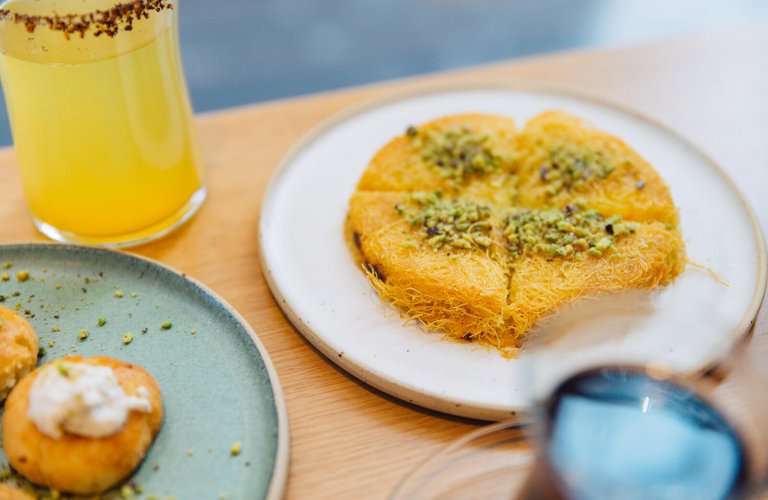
687	326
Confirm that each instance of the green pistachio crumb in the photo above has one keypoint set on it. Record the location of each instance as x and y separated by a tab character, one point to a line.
166	325
7	265
83	334
62	368
127	338
101	321
5	276
134	295
51	343
126	492
22	276
55	329
57	286
119	294
190	452
603	244
235	449
193	331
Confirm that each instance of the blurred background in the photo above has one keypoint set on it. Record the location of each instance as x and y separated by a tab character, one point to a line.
245	51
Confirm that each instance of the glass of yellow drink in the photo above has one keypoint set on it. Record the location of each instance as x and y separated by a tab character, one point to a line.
101	120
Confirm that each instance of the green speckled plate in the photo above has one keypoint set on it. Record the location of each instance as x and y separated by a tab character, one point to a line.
218	384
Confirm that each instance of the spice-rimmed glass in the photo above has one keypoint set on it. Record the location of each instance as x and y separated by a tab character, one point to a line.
101	119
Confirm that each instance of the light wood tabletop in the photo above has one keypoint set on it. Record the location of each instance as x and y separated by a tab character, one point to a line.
347	439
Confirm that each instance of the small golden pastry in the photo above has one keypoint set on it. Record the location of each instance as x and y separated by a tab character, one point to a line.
8	492
81	425
18	349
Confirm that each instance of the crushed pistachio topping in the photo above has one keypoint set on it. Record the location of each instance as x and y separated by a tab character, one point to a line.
83	334
6	277
127	338
62	368
457	223
458	153
570	166
571	232
166	325
119	294
7	265
22	275
101	321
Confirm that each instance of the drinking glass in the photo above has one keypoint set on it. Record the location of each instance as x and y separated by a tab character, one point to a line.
101	119
609	424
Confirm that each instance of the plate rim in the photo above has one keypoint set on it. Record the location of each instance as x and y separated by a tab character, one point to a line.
279	476
405	392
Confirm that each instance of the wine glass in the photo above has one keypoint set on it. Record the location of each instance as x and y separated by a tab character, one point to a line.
612	423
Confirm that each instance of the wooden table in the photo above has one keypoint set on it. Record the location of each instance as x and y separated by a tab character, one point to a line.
351	441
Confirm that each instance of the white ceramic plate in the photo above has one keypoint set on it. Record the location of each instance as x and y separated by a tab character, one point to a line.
686	327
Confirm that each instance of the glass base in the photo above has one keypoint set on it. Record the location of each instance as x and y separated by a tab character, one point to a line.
145	235
491	462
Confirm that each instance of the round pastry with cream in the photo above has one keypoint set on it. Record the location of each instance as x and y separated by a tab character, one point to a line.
81	425
18	349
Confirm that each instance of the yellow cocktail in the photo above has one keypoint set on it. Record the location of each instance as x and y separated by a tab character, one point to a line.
101	118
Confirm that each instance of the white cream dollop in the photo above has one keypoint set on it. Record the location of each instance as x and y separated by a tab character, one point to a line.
81	399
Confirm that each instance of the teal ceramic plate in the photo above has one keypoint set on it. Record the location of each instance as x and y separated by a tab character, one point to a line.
218	383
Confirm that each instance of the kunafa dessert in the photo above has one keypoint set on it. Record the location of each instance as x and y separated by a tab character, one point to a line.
480	231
